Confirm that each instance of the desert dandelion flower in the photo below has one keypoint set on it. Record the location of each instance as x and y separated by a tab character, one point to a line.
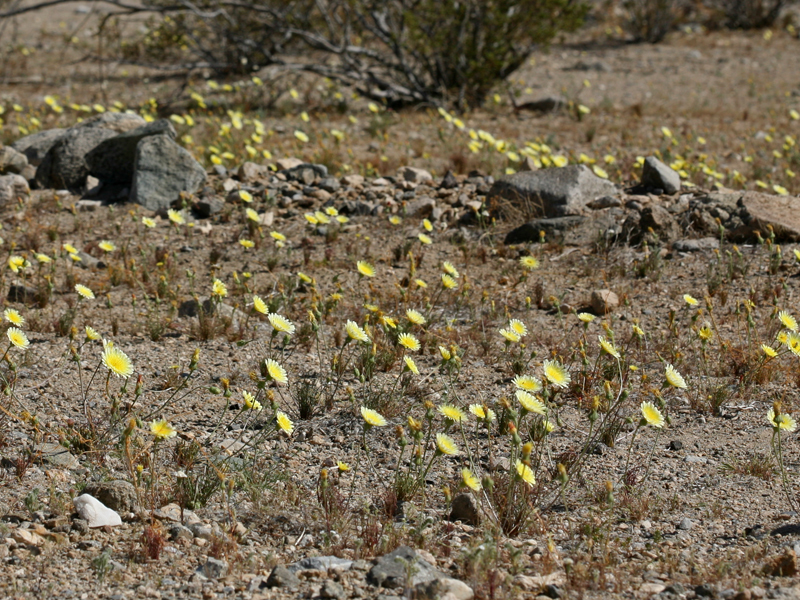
518	327
408	341
530	402
525	473
415	317
652	415
450	269
510	335
107	246
529	262
260	306
12	316
691	301
674	378
148	222
281	324
608	347
556	373
788	320
365	269
469	480
117	362
219	289
17	337
452	412
446	445
411	365
769	351
354	332
372	417
91	334
176	217
284	422
586	317
527	383
448	282
162	430
84	291
424	239
276	372
250	403
781	421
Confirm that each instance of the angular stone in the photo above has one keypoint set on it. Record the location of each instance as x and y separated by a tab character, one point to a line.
176	531
213	568
760	211
414	175
284	164
449	181
56	455
554	192
332	590
321	563
250	171
208	206
420	207
112	160
12	187
330	185
660	220
36	145
163	170
657	175
465	509
352	180
391	570
116	122
281	577
12	161
297	172
697	245
64	165
119	495
604	302
94	512
27	537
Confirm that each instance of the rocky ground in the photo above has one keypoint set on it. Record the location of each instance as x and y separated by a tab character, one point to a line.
231	506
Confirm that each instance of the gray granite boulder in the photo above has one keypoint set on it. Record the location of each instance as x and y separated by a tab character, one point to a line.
554	192
162	170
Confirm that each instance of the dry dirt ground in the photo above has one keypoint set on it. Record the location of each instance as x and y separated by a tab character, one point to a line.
696	509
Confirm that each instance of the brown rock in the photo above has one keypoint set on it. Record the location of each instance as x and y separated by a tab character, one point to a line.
250	171
465	509
27	537
761	211
284	164
784	565
604	301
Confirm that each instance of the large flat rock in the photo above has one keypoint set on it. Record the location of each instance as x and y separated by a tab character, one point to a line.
554	192
759	211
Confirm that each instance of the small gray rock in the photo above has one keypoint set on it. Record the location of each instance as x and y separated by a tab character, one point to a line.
685	524
162	170
657	175
321	563
420	207
250	171
176	531
56	455
12	161
698	245
199	530
332	589
208	206
12	187
414	175
213	568
465	509
64	165
401	567
281	577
